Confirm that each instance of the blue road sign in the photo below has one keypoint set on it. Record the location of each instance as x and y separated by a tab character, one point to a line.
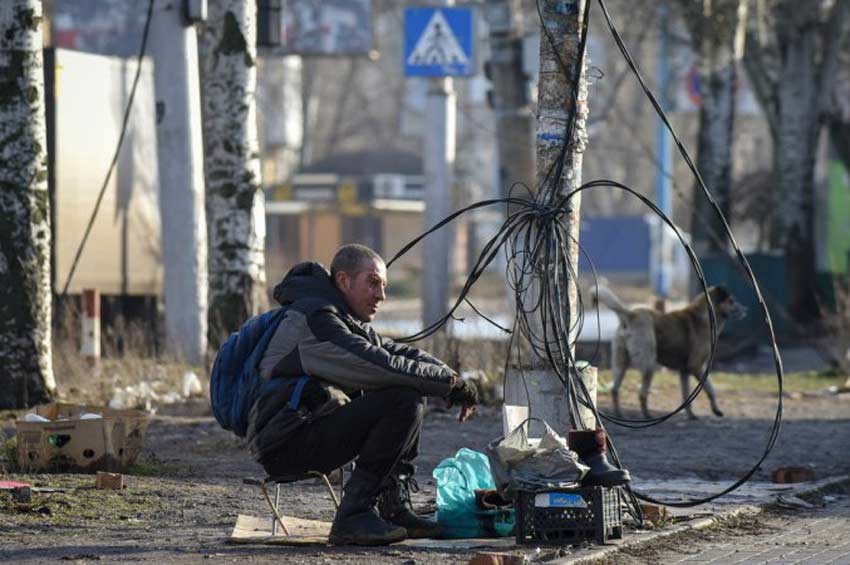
438	42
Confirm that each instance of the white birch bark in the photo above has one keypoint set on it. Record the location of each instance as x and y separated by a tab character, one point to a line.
793	71
839	115
541	389
26	371
554	106
794	167
235	203
714	29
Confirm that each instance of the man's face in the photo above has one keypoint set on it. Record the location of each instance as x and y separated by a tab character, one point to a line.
364	292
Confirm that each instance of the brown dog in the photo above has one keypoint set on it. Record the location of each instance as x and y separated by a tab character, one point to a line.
679	340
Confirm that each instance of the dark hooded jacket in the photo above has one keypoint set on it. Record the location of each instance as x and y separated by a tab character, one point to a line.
320	337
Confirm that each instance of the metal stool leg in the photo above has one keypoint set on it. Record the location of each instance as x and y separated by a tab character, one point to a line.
273	505
277	520
341	480
328	486
276	507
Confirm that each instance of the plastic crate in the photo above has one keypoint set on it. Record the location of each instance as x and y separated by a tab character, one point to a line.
569	516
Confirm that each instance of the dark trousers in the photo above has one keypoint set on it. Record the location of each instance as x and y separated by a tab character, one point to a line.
380	429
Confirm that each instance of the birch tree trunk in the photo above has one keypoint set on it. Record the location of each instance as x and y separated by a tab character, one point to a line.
839	116
235	203
26	371
714	28
793	71
554	105
794	166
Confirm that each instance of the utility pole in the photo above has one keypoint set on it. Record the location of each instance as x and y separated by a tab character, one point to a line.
560	36
437	251
174	47
514	119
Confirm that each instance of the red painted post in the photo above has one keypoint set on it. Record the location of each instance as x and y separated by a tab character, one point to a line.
90	341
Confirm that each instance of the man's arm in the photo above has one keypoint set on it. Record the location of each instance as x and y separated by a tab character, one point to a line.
410	352
332	352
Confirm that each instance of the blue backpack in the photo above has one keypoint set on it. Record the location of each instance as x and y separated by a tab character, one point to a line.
235	381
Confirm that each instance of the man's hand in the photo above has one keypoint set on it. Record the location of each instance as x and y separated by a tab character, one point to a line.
465	393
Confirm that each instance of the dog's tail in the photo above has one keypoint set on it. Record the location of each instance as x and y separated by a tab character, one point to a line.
608	298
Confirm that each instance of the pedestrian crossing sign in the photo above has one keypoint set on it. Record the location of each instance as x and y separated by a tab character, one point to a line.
438	42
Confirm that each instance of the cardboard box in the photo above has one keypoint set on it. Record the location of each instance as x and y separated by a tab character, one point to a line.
68	443
109	481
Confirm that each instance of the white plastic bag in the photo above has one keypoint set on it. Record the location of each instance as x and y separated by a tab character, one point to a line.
517	464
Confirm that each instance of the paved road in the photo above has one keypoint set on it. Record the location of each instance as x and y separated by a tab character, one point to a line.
816	536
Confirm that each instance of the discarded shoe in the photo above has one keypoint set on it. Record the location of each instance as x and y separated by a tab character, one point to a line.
591	448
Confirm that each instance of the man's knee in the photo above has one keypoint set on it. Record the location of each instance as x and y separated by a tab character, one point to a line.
406	402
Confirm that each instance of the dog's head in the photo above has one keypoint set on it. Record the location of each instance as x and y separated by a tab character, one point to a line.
725	305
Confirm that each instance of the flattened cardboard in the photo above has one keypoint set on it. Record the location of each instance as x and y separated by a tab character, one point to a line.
250	529
66	442
254	530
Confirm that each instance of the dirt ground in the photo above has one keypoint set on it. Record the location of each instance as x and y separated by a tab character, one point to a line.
187	491
812	534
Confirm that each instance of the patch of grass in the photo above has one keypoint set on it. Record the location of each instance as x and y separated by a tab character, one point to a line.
668	381
8	453
128	359
152	466
78	383
79	502
805	381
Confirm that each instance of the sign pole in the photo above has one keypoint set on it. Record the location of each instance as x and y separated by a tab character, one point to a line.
438	45
439	177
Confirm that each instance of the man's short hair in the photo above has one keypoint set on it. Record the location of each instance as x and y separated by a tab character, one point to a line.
350	258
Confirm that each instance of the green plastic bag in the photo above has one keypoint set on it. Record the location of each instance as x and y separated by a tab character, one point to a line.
458	478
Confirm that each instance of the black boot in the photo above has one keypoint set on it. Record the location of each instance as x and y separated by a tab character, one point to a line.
357	521
591	448
395	507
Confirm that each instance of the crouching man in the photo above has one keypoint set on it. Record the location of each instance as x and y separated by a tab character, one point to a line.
362	398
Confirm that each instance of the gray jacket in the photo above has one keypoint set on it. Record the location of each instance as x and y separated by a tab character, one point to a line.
320	337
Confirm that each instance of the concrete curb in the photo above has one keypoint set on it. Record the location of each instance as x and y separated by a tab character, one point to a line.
597	554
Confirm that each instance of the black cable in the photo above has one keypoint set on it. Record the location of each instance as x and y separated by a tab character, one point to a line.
776	427
537	245
124	123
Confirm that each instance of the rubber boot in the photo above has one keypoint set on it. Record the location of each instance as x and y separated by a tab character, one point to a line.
395	507
590	447
357	521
